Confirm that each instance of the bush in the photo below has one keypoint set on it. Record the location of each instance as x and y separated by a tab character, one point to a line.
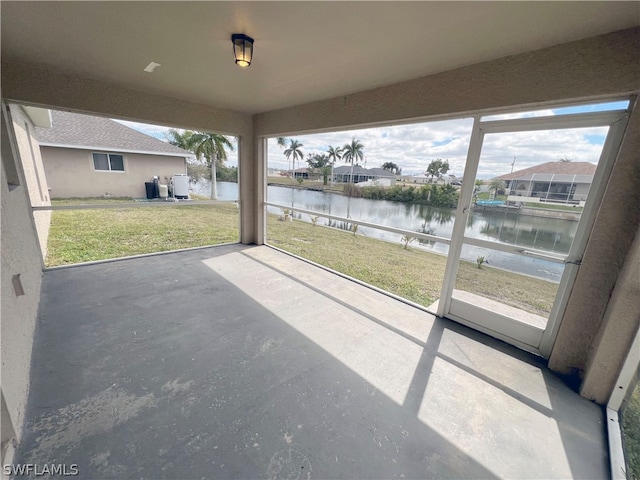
226	174
394	194
435	195
350	190
444	196
374	193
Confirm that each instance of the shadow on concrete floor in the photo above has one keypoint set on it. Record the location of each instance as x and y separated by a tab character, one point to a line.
244	362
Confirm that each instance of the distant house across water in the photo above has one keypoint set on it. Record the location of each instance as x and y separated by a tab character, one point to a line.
343	174
560	182
428	179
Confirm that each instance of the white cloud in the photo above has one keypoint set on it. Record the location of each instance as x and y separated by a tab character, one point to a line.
412	147
160	133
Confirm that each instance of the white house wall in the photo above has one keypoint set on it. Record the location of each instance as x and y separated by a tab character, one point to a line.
70	173
582	190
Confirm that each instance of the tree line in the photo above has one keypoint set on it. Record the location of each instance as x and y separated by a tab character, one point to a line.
352	153
434	195
210	150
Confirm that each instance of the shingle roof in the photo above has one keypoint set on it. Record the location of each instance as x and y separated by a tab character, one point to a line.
74	130
358	170
552	168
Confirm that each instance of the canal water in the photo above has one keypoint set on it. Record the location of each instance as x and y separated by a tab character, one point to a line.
547	234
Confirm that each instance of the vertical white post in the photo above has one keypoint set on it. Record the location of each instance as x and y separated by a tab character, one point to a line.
462	213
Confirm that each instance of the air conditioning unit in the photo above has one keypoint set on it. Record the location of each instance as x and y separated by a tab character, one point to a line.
180	185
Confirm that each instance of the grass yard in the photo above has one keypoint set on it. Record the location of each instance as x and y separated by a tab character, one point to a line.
413	274
631	433
98	234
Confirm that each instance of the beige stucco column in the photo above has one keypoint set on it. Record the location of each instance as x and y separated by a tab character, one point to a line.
250	186
620	323
603	313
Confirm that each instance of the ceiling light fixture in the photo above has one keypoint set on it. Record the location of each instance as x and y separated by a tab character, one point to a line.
242	49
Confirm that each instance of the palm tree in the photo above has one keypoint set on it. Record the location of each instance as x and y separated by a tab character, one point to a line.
497	185
334	154
282	142
295	152
391	167
184	140
352	152
213	148
180	139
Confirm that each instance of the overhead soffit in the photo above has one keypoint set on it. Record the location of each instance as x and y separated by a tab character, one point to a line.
304	51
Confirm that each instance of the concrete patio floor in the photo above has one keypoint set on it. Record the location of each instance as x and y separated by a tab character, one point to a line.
244	362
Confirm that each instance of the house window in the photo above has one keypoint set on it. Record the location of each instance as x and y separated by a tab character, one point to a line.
108	162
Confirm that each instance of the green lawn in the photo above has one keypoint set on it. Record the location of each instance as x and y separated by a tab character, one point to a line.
97	234
410	273
631	433
91	201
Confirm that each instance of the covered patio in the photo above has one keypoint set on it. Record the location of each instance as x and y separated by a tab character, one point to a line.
245	362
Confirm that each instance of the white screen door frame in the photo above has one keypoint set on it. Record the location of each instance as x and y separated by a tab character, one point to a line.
533	338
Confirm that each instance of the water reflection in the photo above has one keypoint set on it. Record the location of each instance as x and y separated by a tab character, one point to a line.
431	215
546	234
427	229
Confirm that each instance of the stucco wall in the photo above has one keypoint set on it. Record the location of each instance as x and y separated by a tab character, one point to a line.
609	350
609	245
71	173
597	67
20	256
35	179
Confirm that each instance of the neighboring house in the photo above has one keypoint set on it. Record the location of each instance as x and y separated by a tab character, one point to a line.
302	173
87	156
275	172
360	174
566	182
446	180
419	179
426	179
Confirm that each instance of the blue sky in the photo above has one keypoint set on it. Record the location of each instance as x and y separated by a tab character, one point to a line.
412	147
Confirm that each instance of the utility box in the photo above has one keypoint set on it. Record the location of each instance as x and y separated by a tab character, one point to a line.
181	185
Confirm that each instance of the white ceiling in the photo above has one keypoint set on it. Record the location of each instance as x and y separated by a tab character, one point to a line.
304	51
